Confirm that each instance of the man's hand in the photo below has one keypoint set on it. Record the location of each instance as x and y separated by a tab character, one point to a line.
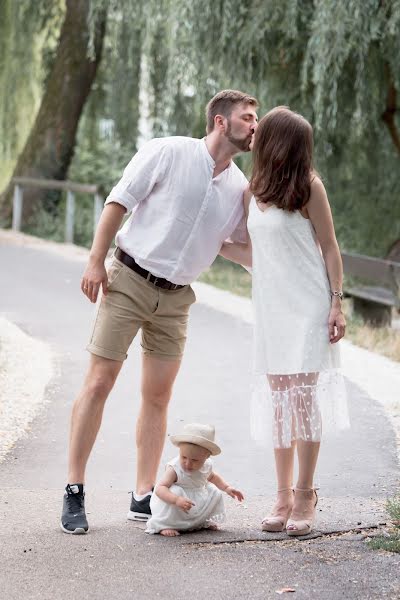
95	275
184	503
234	493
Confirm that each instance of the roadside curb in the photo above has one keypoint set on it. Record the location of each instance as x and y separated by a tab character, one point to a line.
26	367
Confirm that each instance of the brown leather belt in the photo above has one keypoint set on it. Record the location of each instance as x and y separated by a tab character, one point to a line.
132	264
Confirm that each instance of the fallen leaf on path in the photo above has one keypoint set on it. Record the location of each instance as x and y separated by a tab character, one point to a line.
284	590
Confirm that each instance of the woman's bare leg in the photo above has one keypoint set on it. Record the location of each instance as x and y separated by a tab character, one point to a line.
284	461
307	453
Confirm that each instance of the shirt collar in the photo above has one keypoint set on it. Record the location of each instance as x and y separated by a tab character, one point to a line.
206	153
210	159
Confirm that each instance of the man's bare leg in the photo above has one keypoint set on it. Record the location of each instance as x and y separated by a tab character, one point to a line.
158	377
87	413
86	418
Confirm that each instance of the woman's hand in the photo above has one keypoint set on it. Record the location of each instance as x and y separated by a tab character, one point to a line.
234	493
336	324
184	503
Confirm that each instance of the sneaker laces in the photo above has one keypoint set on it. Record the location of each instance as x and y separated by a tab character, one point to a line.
74	500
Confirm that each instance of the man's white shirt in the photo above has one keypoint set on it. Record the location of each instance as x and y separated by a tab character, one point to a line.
180	214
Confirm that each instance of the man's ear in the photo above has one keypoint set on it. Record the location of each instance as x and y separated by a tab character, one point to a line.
220	123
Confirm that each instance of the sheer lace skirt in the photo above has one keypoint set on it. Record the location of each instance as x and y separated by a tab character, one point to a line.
298	406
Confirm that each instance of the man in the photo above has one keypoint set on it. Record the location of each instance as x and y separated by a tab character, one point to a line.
185	195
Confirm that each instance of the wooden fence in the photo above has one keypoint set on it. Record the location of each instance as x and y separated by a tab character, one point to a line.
52	184
375	283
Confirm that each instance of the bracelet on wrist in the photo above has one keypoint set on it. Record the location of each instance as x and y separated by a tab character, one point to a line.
337	294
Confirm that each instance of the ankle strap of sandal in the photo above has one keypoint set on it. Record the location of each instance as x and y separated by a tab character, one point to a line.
288	489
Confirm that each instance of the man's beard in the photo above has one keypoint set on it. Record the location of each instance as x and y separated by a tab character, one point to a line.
242	144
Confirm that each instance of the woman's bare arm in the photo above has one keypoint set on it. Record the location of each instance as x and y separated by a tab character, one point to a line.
319	212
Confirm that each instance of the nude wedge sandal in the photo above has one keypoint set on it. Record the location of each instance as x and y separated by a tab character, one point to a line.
300	523
277	520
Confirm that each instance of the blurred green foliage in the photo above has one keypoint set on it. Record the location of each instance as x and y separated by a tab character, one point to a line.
335	61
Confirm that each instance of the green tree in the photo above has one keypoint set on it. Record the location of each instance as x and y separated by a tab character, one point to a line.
50	144
27	37
336	61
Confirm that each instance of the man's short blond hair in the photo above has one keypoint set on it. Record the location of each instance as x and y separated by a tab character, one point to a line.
224	102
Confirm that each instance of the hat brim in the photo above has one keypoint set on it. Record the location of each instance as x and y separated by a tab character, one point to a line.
214	449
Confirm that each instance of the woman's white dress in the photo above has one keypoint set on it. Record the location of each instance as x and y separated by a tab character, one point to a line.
295	364
208	502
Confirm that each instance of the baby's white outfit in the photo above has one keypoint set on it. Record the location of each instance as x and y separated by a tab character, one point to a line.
208	502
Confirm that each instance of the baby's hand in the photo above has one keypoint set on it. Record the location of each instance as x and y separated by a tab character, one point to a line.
184	503
234	493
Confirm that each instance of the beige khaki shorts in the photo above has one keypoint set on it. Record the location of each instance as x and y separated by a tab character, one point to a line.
133	303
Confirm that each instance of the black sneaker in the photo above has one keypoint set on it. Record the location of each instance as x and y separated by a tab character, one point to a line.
73	518
140	509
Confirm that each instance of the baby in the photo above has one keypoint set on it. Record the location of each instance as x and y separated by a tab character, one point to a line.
188	497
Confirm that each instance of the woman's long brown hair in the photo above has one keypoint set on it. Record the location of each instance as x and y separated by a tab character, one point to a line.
282	159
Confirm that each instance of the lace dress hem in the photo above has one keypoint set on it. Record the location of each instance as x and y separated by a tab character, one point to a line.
298	407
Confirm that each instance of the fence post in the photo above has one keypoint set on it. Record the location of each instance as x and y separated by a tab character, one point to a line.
17	208
97	209
70	217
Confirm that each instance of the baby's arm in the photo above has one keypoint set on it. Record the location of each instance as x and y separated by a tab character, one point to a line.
163	492
225	487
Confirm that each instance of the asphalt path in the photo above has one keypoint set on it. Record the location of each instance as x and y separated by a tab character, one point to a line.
357	470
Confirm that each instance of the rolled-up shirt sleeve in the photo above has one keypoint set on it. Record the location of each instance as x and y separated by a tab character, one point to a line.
147	168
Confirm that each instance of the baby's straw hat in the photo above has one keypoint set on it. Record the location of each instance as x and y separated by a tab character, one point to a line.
201	435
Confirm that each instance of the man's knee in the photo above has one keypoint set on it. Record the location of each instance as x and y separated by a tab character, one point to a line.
99	385
158	380
156	398
101	378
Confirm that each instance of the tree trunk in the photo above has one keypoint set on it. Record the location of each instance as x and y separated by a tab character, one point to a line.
389	116
50	145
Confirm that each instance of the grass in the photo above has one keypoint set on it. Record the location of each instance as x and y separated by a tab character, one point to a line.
226	275
391	541
383	340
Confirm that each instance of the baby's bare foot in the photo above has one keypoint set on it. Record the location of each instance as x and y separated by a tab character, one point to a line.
169	532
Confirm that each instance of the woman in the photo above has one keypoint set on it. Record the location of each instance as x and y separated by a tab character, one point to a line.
297	294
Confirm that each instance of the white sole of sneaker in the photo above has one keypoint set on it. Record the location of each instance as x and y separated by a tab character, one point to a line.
136	516
77	531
